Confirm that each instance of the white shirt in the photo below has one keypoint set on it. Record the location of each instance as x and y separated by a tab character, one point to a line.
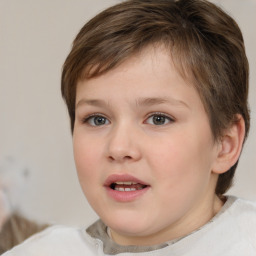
232	232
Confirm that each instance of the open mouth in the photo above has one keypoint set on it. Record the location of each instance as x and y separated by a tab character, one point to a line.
127	186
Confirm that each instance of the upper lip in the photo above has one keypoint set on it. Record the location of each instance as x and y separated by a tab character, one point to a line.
122	178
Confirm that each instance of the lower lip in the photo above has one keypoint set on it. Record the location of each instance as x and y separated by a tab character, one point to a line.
126	196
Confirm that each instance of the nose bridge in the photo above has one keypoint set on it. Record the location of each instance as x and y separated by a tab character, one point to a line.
122	143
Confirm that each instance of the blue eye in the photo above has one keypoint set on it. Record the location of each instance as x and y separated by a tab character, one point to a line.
159	119
96	120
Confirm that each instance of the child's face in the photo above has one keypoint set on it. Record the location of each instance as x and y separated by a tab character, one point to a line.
144	150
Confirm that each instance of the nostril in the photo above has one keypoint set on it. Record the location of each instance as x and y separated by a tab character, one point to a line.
119	158
111	158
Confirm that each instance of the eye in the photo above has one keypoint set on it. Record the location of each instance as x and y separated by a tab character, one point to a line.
96	120
159	119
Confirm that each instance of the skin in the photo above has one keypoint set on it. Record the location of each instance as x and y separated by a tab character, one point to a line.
177	158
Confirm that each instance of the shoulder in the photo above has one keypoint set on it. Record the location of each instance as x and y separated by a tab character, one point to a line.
242	208
54	241
243	212
232	232
239	212
238	223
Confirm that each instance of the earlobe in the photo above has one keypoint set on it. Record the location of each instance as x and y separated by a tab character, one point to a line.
230	146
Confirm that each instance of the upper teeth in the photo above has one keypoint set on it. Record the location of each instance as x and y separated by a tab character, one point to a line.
125	183
125	189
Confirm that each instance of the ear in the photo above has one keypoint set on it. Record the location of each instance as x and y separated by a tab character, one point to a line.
230	146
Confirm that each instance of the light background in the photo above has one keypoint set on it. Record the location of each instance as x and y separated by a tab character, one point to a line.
35	38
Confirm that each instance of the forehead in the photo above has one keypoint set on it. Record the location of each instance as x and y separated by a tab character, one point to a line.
150	60
149	57
149	76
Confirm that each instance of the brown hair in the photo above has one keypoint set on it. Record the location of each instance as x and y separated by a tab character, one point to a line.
205	43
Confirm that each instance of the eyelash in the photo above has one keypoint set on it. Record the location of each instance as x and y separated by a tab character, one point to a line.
160	114
87	119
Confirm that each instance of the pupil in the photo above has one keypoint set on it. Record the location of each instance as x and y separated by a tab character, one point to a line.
99	120
158	120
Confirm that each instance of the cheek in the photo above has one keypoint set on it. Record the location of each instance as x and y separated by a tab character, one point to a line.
86	155
181	175
181	160
169	154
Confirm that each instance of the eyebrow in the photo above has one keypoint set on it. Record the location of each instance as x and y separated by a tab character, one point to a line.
158	101
92	102
148	101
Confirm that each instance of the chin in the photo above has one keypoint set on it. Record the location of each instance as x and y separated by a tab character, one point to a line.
130	224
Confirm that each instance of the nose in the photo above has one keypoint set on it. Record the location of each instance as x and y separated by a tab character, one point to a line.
123	144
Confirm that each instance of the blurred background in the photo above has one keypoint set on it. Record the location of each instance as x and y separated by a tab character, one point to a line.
35	140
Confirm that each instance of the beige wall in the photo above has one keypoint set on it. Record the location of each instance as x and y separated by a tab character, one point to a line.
35	37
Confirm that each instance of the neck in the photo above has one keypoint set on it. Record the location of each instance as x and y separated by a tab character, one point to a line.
177	230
